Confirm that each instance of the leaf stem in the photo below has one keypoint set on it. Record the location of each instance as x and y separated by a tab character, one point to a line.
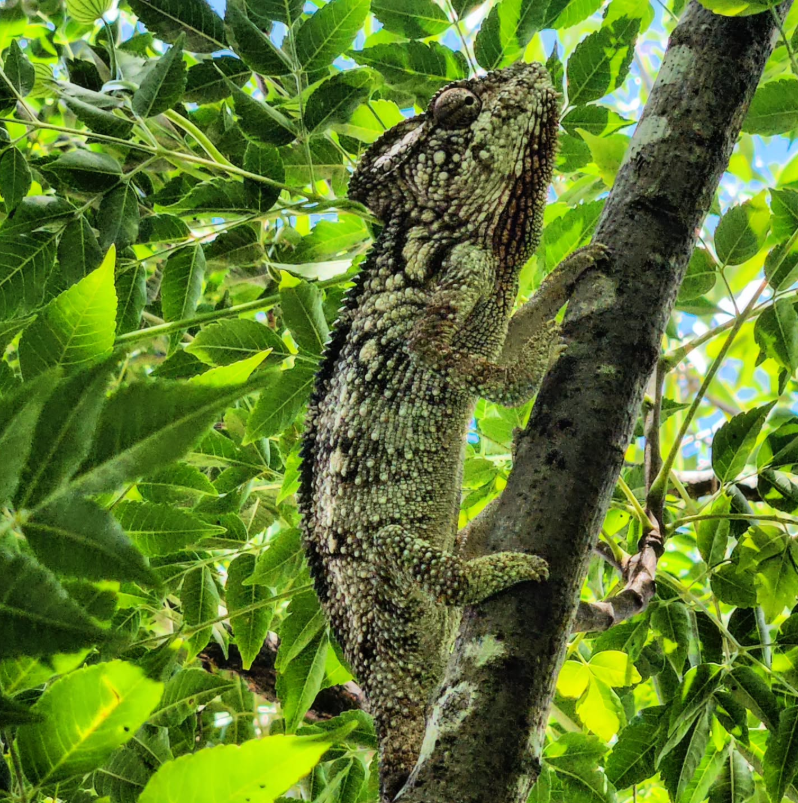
216	315
204	142
15	762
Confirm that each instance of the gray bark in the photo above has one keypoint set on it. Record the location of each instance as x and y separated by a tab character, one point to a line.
486	733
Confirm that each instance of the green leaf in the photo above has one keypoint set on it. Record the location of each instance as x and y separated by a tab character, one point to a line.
680	765
175	484
43	623
64	432
13	713
131	293
261	770
418	67
25	263
19	413
780	447
777	582
263	160
186	692
87	171
633	758
163	229
753	692
123	777
15	178
781	268
37	212
87	11
260	121
329	32
735	440
158	529
238	247
207	82
700	277
713	534
76	328
672	621
227	342
774	108
147	425
742	231
76	537
300	629
698	786
164	84
784	211
264	11
224	196
250	625
252	45
79	252
300	682
734	587
19	71
280	402
507	30
781	757
597	120
282	554
776	333
204	30
334	100
601	61
100	121
575	757
200	600
181	286
118	218
735	8
693	700
569	231
87	715
304	314
735	784
413	19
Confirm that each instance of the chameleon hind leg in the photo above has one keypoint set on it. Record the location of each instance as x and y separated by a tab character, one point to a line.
413	563
445	576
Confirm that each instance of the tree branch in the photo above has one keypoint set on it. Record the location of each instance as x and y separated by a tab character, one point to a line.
261	677
486	732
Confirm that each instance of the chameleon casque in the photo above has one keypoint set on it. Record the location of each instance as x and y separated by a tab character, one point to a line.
460	191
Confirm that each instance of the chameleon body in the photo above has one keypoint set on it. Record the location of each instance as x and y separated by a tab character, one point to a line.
460	191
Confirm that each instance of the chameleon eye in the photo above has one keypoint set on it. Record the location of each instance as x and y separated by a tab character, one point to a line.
456	108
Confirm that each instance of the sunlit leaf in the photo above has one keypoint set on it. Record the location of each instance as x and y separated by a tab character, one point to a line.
76	328
87	715
329	32
414	19
204	30
262	769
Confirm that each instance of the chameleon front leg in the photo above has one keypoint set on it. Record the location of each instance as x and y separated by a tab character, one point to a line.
533	339
555	289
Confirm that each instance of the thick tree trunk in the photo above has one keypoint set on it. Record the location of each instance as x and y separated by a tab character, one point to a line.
486	734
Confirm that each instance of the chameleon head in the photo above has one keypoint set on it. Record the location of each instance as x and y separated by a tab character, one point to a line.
479	160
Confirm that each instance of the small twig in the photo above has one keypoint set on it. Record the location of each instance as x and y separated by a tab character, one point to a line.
17	765
261	677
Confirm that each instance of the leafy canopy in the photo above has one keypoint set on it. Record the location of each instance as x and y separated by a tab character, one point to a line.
175	242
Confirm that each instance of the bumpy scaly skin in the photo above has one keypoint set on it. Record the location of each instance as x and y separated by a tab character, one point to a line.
461	191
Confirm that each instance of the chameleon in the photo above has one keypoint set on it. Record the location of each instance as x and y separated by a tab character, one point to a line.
426	330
